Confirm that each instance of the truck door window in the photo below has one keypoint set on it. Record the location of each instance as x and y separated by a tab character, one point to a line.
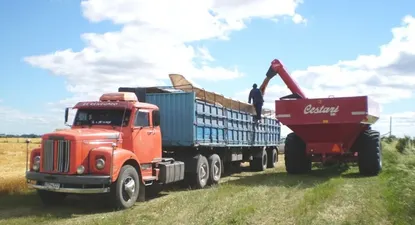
156	118
141	119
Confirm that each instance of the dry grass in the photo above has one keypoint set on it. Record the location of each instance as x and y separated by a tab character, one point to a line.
336	195
13	164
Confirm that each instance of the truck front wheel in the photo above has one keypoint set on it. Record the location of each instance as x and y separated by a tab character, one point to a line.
126	189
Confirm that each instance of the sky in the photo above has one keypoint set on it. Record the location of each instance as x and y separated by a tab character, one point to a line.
58	52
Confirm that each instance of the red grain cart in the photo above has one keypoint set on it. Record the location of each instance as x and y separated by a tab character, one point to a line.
327	129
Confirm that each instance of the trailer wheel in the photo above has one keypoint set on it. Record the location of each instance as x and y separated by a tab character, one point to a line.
215	169
370	153
296	159
50	198
199	178
273	158
125	190
259	163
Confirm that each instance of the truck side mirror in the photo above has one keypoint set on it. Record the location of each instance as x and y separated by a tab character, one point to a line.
66	115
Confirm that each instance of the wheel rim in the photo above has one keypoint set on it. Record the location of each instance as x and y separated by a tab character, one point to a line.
128	189
264	161
203	173
274	158
216	170
380	159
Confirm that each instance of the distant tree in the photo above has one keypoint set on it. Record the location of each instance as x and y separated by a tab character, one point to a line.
406	145
389	139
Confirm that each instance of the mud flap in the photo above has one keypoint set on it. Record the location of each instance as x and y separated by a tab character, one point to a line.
142	192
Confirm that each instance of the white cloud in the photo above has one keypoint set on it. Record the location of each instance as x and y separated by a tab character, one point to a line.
403	123
14	121
153	42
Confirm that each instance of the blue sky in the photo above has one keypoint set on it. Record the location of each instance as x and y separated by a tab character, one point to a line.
335	30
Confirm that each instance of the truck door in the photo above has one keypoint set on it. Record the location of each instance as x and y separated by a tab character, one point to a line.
143	136
157	143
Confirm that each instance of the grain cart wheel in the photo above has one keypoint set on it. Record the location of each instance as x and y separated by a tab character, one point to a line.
272	158
296	159
50	198
124	191
215	169
200	177
259	163
370	153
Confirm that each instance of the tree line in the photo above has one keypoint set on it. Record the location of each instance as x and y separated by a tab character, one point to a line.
20	136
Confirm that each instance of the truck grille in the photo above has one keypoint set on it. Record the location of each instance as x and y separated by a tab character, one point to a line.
56	151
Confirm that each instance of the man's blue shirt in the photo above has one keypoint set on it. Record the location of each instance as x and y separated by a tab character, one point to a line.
256	96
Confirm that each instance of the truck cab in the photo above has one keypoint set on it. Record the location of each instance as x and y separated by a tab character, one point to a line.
114	146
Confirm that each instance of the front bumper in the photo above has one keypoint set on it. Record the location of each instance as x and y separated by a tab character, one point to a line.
86	184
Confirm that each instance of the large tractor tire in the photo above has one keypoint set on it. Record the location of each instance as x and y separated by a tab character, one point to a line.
260	161
370	153
296	159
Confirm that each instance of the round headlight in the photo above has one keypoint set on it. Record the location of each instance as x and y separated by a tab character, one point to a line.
35	167
80	169
36	163
100	164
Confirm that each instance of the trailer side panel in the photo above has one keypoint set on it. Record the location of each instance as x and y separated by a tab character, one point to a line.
187	122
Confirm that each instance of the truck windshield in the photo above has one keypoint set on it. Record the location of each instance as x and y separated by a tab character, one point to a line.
111	117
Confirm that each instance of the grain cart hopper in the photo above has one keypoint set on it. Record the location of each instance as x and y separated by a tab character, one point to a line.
326	129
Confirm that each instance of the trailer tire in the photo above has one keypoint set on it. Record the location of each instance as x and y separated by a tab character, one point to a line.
124	195
215	169
200	177
272	158
259	163
370	153
50	198
296	159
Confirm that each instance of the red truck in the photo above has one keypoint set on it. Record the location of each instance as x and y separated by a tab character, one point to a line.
134	141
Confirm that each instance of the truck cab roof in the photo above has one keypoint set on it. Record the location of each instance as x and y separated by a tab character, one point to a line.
116	100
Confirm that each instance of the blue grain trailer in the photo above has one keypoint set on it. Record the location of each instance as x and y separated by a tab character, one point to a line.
210	138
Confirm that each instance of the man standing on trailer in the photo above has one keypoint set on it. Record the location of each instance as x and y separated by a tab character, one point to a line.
257	102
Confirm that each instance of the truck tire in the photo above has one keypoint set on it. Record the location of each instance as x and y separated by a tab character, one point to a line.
200	177
296	159
50	198
259	163
272	158
215	169
124	192
370	153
